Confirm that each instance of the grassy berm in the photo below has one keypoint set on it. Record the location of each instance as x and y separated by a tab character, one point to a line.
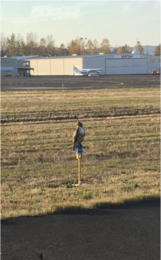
121	158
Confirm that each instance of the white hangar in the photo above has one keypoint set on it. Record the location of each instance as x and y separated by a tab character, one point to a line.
110	64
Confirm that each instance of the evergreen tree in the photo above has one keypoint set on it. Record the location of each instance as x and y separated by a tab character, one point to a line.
11	46
31	48
22	48
3	45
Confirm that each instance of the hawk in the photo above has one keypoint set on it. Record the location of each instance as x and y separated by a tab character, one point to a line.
78	135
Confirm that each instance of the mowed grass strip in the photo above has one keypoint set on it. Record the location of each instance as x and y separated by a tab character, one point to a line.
121	159
59	105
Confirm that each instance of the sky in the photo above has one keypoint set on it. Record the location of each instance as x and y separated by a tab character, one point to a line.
121	22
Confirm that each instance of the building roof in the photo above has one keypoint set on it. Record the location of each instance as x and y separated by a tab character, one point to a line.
136	52
21	57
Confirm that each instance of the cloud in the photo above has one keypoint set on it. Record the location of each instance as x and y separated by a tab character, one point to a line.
127	6
57	13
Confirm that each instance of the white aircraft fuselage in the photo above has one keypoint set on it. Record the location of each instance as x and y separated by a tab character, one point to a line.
88	72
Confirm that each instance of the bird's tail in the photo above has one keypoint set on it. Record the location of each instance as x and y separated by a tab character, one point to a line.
75	145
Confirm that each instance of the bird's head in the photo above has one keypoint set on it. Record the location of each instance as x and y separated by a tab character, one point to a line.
80	124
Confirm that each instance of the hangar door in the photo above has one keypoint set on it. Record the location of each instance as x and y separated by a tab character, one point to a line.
126	66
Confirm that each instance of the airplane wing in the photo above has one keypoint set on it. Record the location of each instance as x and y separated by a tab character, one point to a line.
93	70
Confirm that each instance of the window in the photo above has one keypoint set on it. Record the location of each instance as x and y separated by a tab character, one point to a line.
26	64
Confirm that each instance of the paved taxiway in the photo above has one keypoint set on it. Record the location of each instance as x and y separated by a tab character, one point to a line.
78	82
122	233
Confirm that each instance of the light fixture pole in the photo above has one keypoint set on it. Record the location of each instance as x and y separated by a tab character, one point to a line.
83	43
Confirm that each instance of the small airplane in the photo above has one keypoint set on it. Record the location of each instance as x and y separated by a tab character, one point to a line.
88	72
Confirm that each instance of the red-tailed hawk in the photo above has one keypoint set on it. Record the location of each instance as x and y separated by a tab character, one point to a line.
78	135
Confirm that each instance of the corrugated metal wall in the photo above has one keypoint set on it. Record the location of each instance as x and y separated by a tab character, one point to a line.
126	66
95	62
153	63
110	64
8	67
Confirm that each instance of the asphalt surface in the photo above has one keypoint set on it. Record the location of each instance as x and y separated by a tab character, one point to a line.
78	82
122	233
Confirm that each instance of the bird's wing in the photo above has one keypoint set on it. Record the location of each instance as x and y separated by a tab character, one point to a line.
82	131
75	135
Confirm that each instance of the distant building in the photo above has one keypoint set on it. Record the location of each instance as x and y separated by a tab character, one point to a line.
15	67
111	64
135	52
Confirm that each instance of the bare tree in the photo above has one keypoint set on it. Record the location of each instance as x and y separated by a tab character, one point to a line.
95	49
157	50
50	48
89	47
20	45
105	46
75	47
31	37
126	49
120	50
31	48
72	48
13	46
62	51
114	50
19	38
83	45
42	47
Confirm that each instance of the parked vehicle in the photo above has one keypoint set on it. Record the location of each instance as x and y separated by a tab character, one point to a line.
155	72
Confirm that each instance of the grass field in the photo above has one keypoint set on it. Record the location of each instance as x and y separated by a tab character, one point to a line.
121	159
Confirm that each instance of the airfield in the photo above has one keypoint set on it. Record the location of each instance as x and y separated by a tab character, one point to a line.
78	82
126	232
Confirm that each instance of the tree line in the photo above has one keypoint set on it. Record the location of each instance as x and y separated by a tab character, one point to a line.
16	46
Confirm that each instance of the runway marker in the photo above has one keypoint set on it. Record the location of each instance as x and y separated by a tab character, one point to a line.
79	152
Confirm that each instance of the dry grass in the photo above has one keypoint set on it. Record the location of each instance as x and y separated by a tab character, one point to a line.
121	149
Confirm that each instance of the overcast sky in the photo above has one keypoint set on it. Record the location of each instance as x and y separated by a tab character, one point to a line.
121	22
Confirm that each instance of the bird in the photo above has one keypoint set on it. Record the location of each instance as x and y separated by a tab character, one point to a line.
78	135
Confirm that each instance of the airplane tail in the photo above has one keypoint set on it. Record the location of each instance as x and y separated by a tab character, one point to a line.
76	69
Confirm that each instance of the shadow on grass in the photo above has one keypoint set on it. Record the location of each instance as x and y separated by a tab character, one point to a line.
128	203
138	202
142	201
